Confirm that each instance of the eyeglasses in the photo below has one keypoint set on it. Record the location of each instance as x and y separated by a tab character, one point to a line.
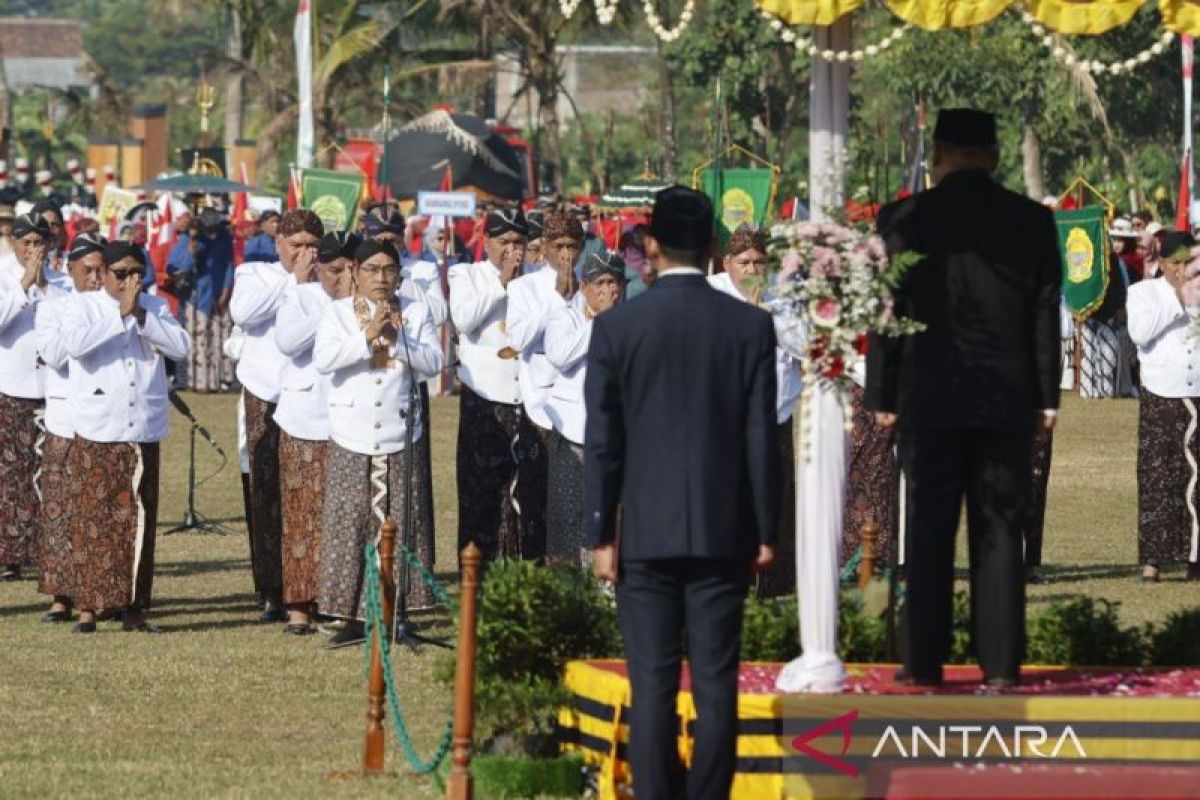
123	275
376	270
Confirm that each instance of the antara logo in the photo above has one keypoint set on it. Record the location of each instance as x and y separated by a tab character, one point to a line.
933	741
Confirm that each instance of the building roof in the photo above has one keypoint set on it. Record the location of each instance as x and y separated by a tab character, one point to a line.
41	52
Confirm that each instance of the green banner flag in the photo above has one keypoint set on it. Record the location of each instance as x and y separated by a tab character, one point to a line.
1083	244
739	196
332	196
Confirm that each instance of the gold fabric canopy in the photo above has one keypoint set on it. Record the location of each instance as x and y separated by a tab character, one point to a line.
1064	16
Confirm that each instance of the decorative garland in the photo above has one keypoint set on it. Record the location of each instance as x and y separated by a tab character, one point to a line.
569	7
656	25
805	46
1060	53
606	11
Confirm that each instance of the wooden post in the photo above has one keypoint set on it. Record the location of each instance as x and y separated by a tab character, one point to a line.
870	542
374	747
460	786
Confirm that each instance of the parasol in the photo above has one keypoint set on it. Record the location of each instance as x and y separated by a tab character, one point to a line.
188	183
636	195
419	154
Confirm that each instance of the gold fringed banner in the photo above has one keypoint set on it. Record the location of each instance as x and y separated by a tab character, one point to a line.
1083	16
1181	16
934	15
809	12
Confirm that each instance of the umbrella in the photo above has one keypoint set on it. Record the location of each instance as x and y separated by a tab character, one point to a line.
635	195
480	160
187	183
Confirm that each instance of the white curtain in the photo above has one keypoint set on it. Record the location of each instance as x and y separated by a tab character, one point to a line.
820	492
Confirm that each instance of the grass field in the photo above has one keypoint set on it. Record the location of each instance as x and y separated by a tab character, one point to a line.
223	706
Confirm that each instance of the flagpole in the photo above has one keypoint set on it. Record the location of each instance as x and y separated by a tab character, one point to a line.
1188	55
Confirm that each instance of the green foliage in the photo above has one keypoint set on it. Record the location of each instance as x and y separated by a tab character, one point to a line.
504	778
960	635
770	629
1176	643
532	621
1082	631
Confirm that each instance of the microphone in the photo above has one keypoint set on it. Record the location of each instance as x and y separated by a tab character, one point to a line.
182	408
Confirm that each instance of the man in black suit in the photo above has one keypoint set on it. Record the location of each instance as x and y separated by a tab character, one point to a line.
680	395
966	394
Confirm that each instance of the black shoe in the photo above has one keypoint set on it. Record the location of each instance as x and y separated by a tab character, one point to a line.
1193	573
299	629
85	627
273	615
1033	576
110	615
348	636
57	616
902	677
12	572
141	627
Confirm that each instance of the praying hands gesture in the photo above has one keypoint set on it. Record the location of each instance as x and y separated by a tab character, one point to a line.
35	258
385	324
131	298
304	267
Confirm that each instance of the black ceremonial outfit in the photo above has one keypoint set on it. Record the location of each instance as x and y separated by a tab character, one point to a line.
680	395
968	391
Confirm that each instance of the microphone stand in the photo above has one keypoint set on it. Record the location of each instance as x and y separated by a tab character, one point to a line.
193	520
403	631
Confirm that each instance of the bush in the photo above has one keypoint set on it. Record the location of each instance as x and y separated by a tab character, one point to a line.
862	637
770	629
1084	632
532	621
1177	642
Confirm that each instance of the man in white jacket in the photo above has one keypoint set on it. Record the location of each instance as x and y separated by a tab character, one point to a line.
258	292
117	339
501	460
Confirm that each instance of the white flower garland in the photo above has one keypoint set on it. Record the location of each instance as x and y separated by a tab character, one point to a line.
805	45
606	11
656	25
569	7
1094	66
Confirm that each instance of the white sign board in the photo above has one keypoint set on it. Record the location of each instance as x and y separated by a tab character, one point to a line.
449	204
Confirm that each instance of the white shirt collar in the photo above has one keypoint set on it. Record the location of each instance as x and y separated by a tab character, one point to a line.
680	271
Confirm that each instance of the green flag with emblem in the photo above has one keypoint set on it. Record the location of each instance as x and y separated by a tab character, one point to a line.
739	195
1083	245
332	196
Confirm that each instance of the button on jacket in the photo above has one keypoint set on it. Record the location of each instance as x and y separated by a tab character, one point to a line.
118	382
568	332
531	299
787	368
478	307
368	408
51	349
303	409
257	295
21	373
1162	330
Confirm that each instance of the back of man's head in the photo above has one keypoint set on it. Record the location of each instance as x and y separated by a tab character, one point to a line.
681	228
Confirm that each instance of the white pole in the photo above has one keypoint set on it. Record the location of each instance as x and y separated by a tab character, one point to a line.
829	121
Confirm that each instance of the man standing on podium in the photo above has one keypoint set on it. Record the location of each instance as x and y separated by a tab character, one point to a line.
680	433
966	393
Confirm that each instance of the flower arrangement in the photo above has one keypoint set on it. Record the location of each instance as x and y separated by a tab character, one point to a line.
834	287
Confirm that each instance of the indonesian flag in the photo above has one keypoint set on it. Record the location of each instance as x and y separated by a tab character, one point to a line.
305	136
293	198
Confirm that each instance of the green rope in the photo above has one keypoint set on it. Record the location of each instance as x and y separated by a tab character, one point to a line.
377	626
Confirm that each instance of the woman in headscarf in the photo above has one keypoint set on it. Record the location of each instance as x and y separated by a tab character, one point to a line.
1163	316
374	347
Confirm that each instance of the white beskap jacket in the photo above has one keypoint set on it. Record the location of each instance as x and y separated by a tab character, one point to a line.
478	307
21	373
568	334
117	379
303	409
258	289
369	408
531	300
51	348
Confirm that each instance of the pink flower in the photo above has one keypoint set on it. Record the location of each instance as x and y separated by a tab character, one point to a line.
825	261
789	265
825	312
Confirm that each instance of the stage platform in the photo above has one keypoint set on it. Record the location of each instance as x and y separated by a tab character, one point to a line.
1064	733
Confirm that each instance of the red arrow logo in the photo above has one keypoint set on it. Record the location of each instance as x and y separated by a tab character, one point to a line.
845	724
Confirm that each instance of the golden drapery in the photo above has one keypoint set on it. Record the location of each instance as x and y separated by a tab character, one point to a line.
1074	17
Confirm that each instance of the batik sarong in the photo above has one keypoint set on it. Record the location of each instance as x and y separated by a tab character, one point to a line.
302	490
266	528
1101	345
872	485
58	490
502	472
1167	472
113	524
566	541
208	368
20	509
360	492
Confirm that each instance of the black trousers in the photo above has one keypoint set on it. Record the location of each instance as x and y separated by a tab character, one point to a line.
991	470
657	601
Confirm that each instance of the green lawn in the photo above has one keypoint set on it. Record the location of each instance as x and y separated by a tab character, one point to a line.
223	706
